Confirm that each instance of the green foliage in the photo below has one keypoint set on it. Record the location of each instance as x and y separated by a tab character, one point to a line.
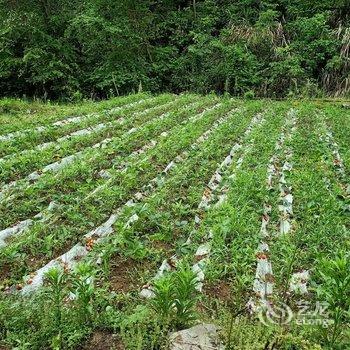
59	316
100	48
164	297
82	288
334	288
97	296
172	308
176	297
56	280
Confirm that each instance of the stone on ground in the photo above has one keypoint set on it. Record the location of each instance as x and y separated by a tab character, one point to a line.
201	337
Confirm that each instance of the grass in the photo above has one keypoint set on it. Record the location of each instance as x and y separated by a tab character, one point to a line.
134	254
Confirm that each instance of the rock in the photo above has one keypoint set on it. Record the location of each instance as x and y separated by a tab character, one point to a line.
201	337
104	174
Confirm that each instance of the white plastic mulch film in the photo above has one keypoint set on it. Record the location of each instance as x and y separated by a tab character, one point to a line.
214	190
59	165
69	259
278	168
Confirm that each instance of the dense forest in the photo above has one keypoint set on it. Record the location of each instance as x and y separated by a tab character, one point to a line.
70	49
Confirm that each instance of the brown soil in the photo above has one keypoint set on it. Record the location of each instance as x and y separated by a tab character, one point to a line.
5	271
125	274
220	290
103	340
162	245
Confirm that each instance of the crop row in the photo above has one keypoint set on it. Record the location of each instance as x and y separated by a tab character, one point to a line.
191	130
27	162
88	162
316	214
96	236
214	189
46	132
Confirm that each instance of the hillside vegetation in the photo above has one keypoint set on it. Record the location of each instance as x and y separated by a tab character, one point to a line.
70	49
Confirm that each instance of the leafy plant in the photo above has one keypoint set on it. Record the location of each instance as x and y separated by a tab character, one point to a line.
82	290
176	297
163	301
334	288
56	293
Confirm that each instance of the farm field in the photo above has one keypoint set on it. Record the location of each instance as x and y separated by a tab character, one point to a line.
125	220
